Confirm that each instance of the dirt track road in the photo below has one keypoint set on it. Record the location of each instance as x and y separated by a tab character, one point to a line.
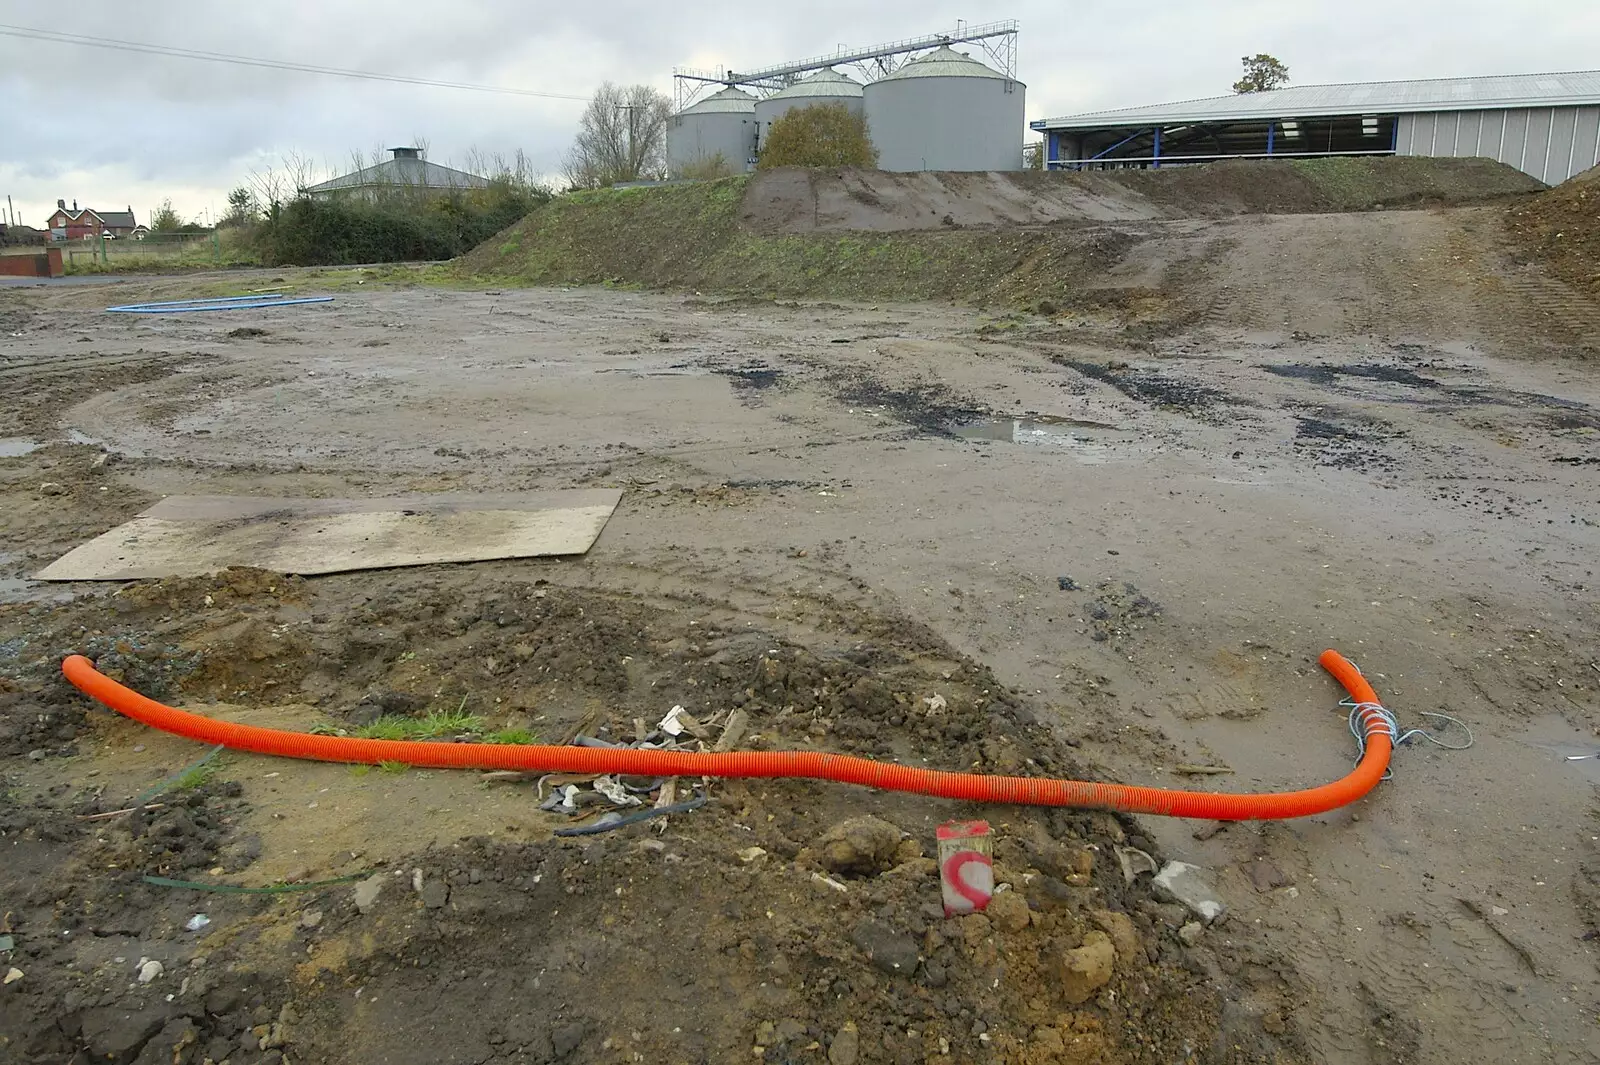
1368	439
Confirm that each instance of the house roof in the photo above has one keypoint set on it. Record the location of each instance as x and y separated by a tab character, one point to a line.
109	219
412	173
1573	88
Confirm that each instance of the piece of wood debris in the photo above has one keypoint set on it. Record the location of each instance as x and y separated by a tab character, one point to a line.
733	731
107	815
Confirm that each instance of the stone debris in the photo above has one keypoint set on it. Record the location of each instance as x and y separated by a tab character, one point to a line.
1008	911
1135	863
366	893
1124	935
846	1046
1185	883
1086	969
862	845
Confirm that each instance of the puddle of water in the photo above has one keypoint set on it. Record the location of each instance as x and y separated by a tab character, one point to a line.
77	436
1567	746
1066	434
22	590
14	447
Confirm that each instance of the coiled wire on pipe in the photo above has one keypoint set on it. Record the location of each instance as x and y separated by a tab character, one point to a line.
812	765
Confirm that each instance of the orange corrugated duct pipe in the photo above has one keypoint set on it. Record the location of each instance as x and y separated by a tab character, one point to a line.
812	765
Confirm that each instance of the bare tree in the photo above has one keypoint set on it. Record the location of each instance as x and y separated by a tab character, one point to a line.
622	136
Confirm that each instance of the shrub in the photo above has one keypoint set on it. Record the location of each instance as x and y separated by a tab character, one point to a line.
393	226
819	135
706	168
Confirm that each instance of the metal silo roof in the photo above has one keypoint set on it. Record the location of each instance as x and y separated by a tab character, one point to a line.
1566	89
943	62
825	83
729	101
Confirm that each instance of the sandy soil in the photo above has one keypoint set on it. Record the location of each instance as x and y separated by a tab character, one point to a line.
1367	436
796	200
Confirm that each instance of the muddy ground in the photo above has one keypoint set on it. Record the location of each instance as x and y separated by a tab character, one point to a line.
1111	544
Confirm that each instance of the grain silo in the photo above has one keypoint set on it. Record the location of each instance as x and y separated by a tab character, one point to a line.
724	123
824	87
946	111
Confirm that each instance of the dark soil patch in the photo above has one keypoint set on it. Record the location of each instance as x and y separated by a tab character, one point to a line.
1329	376
755	378
1157	389
1118	611
930	408
1341	440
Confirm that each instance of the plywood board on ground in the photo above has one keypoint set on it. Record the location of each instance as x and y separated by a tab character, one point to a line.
186	536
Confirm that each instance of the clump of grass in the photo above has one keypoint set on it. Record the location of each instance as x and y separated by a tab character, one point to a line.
389	727
393	767
435	725
451	723
360	770
511	736
197	777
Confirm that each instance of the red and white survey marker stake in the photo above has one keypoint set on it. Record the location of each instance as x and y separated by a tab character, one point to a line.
966	866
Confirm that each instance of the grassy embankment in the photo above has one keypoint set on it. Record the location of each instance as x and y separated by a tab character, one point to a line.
689	237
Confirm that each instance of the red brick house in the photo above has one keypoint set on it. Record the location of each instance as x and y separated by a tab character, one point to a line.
70	223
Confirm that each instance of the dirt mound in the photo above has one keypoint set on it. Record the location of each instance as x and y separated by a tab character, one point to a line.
1562	227
1067	241
731	934
690	237
804	201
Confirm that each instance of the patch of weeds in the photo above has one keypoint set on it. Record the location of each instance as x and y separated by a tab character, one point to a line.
360	770
435	725
197	777
451	723
389	727
393	767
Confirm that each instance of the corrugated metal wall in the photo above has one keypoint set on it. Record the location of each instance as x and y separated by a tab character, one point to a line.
1551	143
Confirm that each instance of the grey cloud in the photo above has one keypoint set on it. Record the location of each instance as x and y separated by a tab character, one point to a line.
202	126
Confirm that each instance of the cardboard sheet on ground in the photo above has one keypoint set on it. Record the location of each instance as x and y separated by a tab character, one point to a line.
186	536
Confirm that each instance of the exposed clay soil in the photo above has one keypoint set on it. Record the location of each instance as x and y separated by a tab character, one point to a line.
1110	540
795	200
1561	227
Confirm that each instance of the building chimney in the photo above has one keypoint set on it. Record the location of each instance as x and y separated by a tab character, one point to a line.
74	206
61	205
407	153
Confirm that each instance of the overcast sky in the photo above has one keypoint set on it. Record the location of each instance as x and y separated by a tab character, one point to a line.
113	129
